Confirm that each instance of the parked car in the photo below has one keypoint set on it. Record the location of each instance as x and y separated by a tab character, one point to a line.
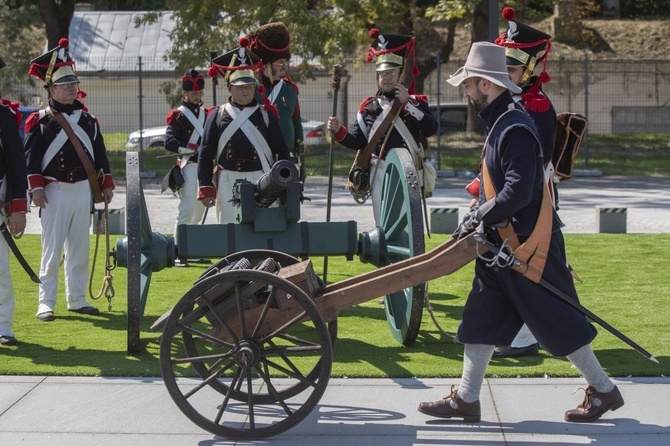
25	112
151	137
452	116
314	133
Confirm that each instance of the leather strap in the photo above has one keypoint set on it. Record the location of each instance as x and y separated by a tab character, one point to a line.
362	159
88	166
532	254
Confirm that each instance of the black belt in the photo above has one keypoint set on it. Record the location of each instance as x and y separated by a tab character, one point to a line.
242	165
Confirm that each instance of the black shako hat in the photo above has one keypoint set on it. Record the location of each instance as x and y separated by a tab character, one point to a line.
238	67
192	80
55	66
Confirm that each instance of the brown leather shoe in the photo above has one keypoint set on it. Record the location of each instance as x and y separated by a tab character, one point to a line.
595	405
470	412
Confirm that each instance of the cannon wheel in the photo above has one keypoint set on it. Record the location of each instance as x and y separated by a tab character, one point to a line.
220	317
402	226
255	256
139	250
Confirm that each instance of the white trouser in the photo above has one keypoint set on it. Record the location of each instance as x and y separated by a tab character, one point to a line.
190	209
225	211
376	178
65	227
524	338
6	292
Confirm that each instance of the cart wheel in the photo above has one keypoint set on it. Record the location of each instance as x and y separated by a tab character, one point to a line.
254	257
261	339
402	226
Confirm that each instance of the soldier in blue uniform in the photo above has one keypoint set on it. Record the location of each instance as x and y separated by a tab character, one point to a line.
242	138
13	206
59	183
185	127
394	62
513	196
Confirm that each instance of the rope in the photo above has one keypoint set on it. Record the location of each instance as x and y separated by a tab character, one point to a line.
107	288
429	307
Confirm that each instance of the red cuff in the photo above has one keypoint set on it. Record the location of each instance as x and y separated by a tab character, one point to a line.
206	192
473	187
36	181
341	133
18	205
108	182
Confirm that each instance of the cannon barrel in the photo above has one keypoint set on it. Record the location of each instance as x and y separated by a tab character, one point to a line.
273	184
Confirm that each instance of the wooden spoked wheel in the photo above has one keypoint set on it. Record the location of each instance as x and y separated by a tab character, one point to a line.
403	232
258	380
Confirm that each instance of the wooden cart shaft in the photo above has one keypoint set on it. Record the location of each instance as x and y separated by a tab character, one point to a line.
443	260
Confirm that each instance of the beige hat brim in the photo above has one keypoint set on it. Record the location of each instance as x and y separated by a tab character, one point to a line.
500	79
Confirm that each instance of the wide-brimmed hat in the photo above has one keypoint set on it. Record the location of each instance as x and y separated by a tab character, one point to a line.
55	67
238	67
192	80
486	60
270	42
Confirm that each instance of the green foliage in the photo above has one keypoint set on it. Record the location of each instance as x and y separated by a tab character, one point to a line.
21	39
641	9
621	285
172	91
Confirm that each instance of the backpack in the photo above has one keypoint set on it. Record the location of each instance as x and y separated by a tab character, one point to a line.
570	132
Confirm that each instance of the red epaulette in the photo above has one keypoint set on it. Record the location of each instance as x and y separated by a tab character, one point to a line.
31	122
270	107
171	116
14	108
365	102
211	109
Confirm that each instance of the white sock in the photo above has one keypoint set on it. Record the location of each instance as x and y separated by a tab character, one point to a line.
476	359
586	362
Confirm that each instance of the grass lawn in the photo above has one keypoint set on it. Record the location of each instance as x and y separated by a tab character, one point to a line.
625	282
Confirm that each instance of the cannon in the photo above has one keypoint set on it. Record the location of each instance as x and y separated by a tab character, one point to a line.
246	353
399	236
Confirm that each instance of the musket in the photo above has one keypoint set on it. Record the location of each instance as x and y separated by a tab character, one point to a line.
506	258
336	77
17	253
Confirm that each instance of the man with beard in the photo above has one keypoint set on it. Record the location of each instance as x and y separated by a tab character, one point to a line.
272	43
514	208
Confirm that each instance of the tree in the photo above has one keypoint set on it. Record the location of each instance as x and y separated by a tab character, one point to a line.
21	35
57	15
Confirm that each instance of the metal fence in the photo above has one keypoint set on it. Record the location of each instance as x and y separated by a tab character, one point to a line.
616	96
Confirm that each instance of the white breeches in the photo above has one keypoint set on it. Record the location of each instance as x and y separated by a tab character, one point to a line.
6	292
65	228
190	210
225	211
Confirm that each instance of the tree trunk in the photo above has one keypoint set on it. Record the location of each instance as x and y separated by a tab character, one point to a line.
57	15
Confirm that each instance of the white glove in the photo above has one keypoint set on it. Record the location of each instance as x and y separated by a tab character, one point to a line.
186	151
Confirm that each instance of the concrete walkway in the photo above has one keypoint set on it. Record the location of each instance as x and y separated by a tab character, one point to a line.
69	411
74	411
